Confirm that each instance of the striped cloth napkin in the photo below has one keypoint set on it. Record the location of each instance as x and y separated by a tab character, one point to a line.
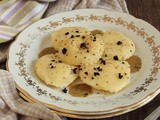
15	15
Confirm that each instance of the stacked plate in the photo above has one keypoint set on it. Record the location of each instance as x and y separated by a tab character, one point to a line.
144	85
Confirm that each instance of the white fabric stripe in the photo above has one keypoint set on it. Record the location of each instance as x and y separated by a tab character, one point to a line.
7	27
6	37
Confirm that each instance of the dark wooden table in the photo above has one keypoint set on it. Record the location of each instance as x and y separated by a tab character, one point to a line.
148	10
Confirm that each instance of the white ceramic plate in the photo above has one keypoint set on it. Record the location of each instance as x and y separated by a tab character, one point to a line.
146	83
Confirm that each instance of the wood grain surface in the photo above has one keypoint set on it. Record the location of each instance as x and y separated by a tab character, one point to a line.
148	10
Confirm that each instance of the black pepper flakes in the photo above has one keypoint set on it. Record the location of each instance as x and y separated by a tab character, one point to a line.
59	61
86	73
119	43
83	45
72	36
66	33
96	73
115	57
64	90
99	69
77	35
64	50
120	75
83	37
75	70
86	94
102	61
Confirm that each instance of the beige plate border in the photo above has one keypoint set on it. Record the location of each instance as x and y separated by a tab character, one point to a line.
93	116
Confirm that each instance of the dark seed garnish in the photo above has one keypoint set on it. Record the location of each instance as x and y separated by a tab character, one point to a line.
66	33
96	73
119	43
86	73
72	36
83	45
102	61
64	50
94	40
77	35
75	70
80	68
120	75
92	78
85	94
122	62
59	61
52	60
83	37
99	69
88	51
64	90
115	57
105	55
77	31
52	66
